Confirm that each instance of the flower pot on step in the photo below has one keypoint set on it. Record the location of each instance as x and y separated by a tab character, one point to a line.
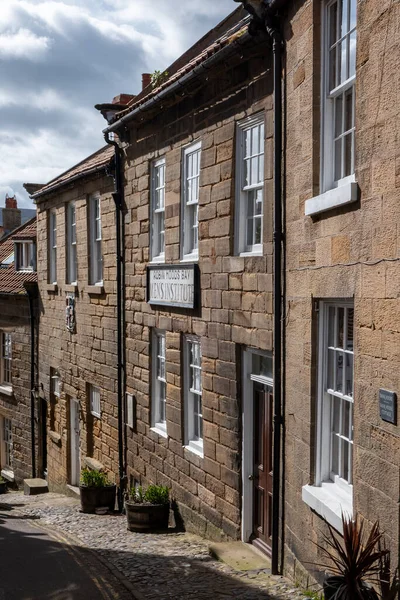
97	497
146	517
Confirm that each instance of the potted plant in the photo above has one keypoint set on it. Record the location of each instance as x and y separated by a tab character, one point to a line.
355	561
3	485
96	491
147	509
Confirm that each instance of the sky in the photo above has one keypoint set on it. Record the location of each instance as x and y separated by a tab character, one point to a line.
58	58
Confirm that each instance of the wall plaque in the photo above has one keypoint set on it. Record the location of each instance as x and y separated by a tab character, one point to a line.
173	285
388	406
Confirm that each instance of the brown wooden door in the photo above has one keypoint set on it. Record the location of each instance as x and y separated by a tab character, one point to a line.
262	476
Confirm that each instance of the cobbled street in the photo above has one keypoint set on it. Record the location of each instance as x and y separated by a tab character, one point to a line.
153	567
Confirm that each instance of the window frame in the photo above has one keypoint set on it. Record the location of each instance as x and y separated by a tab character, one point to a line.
156	231
192	442
71	253
52	246
159	383
95	401
5	371
189	254
6	447
328	96
95	240
28	255
242	248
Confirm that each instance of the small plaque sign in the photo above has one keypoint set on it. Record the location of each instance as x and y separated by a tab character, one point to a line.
388	406
173	285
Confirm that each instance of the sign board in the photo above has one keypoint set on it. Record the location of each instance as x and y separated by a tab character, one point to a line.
388	406
173	285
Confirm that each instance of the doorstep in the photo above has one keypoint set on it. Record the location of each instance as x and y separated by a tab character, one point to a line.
74	489
240	556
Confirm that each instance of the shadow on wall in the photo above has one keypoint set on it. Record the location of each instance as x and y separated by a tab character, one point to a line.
37	567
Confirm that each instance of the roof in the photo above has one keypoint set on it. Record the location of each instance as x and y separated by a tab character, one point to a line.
95	162
26	215
207	47
12	281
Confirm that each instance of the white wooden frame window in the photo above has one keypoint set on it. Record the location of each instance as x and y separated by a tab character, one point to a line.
334	447
71	243
190	202
157	207
94	400
53	246
55	383
24	256
250	186
339	74
6	360
159	382
193	395
7	445
95	254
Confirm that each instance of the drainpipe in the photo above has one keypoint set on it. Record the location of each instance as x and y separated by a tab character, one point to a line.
118	195
31	292
264	19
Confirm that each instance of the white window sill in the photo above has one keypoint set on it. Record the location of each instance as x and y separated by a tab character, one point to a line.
8	475
196	448
251	253
158	428
6	390
339	196
158	260
189	258
330	501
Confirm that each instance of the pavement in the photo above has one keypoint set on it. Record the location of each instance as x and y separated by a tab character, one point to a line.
174	565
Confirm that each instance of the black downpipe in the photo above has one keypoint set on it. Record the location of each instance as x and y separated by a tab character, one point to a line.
118	200
31	293
278	242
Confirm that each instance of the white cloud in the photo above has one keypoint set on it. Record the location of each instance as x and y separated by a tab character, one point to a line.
24	44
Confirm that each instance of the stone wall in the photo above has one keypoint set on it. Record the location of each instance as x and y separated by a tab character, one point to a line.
89	355
344	253
236	292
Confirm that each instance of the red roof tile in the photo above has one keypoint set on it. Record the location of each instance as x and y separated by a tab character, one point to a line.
12	281
93	163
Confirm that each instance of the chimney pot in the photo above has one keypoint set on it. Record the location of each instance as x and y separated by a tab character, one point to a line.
146	80
11	201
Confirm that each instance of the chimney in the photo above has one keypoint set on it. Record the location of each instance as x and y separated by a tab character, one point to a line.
146	80
11	202
123	99
11	214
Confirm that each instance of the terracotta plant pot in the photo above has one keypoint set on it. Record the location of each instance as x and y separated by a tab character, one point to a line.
337	585
146	517
97	497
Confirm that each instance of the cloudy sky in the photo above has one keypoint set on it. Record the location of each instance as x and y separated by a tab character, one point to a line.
60	57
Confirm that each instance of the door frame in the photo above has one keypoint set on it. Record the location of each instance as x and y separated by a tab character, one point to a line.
75	459
248	380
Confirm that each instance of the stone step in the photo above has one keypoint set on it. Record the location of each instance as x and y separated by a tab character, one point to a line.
240	556
32	487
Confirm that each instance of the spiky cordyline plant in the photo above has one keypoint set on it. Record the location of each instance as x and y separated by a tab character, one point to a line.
356	560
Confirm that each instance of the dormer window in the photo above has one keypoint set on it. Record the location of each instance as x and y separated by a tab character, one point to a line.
25	256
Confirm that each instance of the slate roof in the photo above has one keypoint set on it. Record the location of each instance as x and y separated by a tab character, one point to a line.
96	162
12	281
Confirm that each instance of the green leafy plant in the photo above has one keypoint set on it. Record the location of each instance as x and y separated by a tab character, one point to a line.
2	480
158	77
354	562
154	494
91	478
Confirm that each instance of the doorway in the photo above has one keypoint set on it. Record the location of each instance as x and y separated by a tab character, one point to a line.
75	442
257	457
43	436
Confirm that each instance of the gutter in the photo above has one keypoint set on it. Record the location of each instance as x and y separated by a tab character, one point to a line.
32	293
181	82
118	196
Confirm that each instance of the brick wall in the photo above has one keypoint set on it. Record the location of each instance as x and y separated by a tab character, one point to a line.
87	356
236	292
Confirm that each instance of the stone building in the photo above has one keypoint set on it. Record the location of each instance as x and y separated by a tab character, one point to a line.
77	346
20	452
12	217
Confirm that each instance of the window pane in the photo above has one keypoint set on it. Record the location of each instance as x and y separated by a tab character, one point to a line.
349	375
352	55
338	159
340	326
345	460
335	454
338	115
339	372
331	370
332	24
257	230
346	423
348	146
350	328
344	16
353	13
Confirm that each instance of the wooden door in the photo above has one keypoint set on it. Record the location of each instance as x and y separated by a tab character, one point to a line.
75	442
43	436
262	476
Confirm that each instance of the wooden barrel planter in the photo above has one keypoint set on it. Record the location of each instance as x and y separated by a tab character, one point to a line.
97	497
3	487
146	517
